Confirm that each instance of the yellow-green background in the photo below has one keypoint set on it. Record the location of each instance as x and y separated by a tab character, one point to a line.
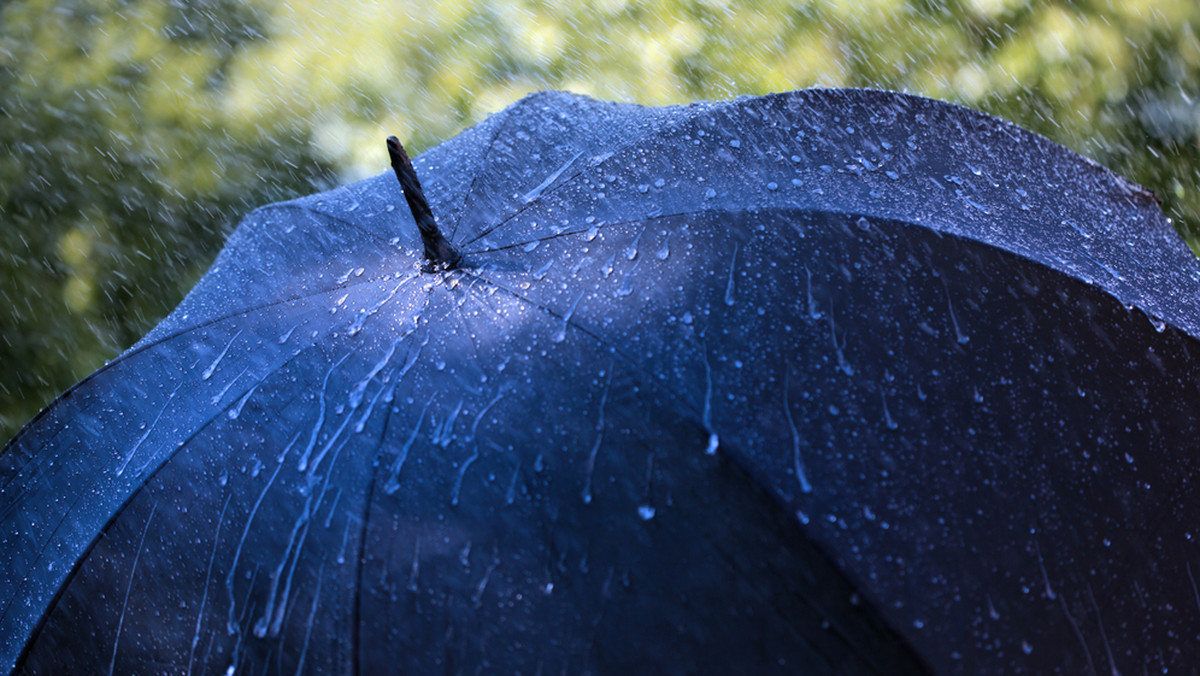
133	134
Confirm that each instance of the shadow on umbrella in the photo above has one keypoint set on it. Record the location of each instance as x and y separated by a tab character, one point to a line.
832	381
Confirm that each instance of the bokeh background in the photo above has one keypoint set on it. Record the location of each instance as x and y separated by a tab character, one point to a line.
135	133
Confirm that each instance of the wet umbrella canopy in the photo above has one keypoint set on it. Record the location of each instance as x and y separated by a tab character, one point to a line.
828	380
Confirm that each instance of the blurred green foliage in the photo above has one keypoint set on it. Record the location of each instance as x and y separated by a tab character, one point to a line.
134	133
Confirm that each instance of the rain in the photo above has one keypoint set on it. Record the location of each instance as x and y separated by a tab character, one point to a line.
896	358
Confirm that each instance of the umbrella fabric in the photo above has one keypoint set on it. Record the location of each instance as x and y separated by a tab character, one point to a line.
689	349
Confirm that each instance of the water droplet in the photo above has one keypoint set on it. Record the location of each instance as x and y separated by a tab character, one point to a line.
772	186
644	187
710	193
891	174
530	246
659	183
646	512
797	182
795	158
631	251
664	251
713	443
735	144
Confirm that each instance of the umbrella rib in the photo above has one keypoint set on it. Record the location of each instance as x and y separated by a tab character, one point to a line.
470	191
246	311
550	190
567	233
128	354
286	206
364	523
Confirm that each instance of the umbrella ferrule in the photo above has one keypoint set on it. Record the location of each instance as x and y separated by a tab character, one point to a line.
440	253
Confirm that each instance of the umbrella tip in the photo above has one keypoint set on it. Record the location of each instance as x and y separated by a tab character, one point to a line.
438	251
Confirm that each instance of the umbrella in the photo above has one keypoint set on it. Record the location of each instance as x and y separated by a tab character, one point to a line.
826	380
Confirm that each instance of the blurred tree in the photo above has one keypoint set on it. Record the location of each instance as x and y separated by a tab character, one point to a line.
131	147
120	174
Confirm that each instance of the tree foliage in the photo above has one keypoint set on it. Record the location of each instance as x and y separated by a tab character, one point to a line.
134	133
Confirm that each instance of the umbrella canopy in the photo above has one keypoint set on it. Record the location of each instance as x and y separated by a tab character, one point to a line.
827	380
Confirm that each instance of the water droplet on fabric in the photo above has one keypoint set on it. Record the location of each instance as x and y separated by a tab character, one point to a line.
663	251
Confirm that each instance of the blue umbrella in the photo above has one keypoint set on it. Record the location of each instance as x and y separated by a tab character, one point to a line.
827	381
